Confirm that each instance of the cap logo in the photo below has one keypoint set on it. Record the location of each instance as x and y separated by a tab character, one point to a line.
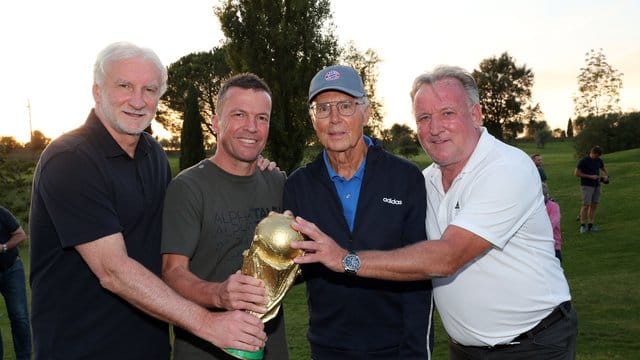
332	75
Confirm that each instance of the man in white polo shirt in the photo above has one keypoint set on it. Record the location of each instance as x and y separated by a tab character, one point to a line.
498	286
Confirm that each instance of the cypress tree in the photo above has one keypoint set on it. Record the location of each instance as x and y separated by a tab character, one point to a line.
191	138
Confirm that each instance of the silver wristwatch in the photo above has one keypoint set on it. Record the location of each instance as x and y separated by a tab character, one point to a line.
351	263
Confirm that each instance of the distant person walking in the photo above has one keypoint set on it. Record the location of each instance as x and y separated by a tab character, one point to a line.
537	160
588	170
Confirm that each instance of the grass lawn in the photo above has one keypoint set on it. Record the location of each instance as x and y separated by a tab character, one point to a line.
602	267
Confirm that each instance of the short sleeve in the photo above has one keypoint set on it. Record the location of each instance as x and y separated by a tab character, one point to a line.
8	220
76	195
181	219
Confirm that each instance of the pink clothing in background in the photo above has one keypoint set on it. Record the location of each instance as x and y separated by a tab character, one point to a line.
553	209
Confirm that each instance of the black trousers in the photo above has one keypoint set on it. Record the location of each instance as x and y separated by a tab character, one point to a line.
554	340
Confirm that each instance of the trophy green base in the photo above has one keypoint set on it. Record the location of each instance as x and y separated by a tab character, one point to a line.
246	355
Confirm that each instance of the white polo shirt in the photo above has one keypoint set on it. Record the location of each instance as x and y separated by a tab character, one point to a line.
519	281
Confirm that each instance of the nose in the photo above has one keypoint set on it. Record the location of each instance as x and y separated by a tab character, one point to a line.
137	100
251	124
333	113
435	126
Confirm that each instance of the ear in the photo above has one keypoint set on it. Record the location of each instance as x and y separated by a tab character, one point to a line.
95	90
214	123
476	115
366	114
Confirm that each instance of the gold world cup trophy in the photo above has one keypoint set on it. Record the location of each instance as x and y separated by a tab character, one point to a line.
270	259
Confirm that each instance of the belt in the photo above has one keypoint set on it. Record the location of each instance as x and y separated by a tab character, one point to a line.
556	315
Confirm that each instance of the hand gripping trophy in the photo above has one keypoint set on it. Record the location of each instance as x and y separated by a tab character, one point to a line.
270	258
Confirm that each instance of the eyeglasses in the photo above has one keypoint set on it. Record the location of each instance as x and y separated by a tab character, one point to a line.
344	107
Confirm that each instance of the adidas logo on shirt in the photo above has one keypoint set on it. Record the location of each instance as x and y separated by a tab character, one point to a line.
392	201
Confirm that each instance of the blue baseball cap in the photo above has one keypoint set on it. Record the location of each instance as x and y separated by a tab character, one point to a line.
337	77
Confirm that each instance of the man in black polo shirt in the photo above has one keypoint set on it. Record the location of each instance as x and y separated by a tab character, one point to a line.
95	223
588	170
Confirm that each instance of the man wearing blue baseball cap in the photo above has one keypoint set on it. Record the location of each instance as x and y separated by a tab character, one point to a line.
366	199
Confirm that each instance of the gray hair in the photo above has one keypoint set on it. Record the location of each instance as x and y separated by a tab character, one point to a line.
119	51
449	72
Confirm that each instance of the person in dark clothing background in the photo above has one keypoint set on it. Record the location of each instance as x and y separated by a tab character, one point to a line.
13	286
588	170
537	159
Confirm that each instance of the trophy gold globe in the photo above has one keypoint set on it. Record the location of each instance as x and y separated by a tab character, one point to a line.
270	259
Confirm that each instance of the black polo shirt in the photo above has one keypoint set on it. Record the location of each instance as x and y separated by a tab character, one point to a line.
86	187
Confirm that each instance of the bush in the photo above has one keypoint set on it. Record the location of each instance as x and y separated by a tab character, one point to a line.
613	132
16	176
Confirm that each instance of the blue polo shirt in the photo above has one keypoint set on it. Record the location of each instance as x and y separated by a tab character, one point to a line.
348	190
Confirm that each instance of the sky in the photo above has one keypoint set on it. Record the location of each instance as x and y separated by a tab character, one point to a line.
47	48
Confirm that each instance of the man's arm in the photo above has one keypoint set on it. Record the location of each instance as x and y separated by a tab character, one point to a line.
238	292
423	260
580	174
16	238
554	213
107	257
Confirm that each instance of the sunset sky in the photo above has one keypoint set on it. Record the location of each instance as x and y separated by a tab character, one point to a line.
47	48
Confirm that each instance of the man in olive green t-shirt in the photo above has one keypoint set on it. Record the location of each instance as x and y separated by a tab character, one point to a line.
210	213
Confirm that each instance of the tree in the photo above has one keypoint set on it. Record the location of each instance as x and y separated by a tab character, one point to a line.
400	139
285	43
541	132
367	66
559	134
570	129
15	182
613	132
170	144
530	115
599	86
504	89
38	141
205	71
8	144
192	145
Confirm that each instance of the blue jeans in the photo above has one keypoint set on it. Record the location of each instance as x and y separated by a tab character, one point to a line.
13	289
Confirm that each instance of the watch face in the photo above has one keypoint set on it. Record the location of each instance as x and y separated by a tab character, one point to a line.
351	263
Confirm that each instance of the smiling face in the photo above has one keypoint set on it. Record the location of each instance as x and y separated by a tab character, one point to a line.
242	128
448	127
127	100
339	133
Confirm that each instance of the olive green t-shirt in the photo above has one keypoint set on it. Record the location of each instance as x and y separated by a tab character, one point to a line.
210	216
